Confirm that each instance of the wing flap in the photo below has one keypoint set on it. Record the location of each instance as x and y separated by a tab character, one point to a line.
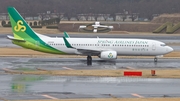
87	51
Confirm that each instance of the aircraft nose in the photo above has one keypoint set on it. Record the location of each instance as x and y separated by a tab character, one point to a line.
169	49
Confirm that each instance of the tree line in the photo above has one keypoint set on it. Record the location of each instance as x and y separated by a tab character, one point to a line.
72	8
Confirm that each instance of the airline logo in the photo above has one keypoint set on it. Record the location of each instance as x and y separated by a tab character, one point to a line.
20	26
110	55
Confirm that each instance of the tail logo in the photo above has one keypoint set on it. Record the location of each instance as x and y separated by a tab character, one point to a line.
20	26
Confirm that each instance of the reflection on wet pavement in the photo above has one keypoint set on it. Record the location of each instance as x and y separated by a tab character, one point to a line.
59	87
36	86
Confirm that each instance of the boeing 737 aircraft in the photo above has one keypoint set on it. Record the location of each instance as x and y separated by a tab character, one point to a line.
104	48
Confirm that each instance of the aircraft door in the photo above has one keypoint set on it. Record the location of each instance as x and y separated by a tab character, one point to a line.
100	45
153	46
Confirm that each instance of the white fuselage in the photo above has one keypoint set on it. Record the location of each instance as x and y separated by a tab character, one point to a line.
131	47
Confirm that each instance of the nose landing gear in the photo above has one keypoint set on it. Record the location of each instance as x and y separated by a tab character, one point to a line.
156	57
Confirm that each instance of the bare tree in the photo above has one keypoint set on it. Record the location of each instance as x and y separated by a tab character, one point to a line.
86	16
105	16
145	8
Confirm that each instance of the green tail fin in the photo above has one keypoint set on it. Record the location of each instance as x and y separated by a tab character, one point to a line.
23	32
20	28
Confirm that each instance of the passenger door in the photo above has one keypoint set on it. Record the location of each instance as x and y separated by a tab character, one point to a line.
153	46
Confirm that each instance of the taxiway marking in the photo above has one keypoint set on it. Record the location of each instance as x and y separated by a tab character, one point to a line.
5	69
48	96
67	68
130	68
137	95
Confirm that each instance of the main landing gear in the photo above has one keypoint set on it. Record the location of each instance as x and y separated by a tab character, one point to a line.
89	60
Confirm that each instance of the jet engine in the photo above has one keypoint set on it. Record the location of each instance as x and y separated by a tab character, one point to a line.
95	30
108	55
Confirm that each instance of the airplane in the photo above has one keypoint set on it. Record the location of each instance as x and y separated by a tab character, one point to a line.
97	25
104	48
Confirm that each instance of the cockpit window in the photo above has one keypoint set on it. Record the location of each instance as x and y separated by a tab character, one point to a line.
163	44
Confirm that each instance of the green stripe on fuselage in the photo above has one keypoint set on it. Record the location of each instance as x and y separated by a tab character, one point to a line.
36	47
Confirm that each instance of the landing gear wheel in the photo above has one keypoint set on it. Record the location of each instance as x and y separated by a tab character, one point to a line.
155	59
89	60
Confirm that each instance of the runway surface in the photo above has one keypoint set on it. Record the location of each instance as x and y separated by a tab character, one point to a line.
80	63
61	87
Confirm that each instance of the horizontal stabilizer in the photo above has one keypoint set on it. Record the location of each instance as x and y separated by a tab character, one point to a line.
16	39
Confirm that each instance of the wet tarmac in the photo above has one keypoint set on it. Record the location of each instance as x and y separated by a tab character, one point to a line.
80	63
13	87
62	87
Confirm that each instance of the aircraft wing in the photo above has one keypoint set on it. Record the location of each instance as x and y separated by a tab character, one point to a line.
82	50
86	50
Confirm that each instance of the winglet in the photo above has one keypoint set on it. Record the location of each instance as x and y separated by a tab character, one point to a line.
66	35
68	45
